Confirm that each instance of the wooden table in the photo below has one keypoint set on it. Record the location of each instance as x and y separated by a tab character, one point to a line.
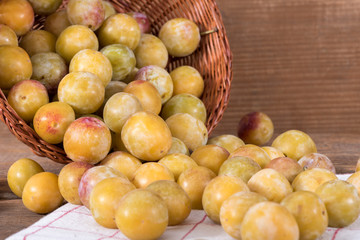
297	61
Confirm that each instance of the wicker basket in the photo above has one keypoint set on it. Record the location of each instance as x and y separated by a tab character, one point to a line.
213	59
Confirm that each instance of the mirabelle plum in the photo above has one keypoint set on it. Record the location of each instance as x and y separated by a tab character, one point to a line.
178	146
310	213
119	108
69	180
17	14
188	129
160	78
147	94
122	60
136	213
178	163
273	152
181	36
109	9
87	139
120	28
90	13
233	210
110	89
280	223
255	128
176	199
73	39
41	193
286	166
184	103
146	136
57	22
123	162
151	172
316	160
92	177
294	144
26	97
311	179
193	181
38	41
254	152
7	36
227	141
187	80
342	202
83	91
217	191
242	167
142	20
105	199
88	60
20	172
271	184
51	121
49	68
210	156
45	7
357	165
151	51
354	179
15	66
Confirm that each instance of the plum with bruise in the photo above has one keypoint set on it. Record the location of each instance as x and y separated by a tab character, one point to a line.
255	128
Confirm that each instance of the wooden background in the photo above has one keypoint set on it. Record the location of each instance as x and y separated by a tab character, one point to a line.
297	61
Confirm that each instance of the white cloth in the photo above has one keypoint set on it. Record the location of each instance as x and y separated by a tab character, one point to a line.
72	222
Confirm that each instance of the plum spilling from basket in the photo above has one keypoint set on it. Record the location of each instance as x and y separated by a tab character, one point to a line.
94	82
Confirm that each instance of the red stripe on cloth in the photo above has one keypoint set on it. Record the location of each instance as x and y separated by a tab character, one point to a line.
86	214
335	233
43	227
193	228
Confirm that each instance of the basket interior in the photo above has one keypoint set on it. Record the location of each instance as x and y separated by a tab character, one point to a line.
212	59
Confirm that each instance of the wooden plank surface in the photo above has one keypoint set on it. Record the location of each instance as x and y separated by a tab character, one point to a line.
297	61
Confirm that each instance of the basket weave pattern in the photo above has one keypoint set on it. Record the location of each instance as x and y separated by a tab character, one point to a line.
213	59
